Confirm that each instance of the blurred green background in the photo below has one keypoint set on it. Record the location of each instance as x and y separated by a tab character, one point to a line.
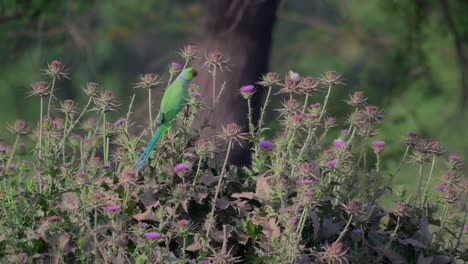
409	57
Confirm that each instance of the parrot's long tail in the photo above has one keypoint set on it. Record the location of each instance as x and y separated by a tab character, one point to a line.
146	154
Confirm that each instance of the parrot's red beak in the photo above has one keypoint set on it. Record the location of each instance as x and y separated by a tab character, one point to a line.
195	73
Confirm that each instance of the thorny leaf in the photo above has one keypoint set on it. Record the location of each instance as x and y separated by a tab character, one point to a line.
393	256
223	203
208	180
315	223
196	245
148	199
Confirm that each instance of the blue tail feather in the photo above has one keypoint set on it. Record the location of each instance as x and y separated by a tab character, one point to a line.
154	140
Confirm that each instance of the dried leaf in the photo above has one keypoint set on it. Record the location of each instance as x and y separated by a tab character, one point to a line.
71	201
393	256
208	180
149	199
263	189
196	245
413	242
184	204
315	223
329	228
147	215
63	241
223	203
248	195
424	260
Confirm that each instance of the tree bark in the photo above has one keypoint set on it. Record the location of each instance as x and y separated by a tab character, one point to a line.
242	31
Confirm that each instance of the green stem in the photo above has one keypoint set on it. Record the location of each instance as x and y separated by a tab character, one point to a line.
104	136
150	111
251	126
260	121
41	125
305	102
418	191
50	97
218	188
196	173
325	102
429	179
13	150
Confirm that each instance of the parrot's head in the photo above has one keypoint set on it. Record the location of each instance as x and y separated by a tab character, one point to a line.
189	73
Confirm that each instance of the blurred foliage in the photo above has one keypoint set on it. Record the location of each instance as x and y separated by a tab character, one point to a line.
402	54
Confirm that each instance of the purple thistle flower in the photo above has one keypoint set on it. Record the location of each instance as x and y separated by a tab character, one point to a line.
143	225
339	144
2	150
455	158
152	235
357	231
21	145
195	94
176	65
179	167
331	119
332	163
112	208
53	219
315	106
345	131
81	175
378	144
288	210
283	181
266	144
119	122
75	136
465	228
292	221
207	261
105	166
12	166
247	89
441	187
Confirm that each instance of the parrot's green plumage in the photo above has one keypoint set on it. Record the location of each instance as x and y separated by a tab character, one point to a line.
174	99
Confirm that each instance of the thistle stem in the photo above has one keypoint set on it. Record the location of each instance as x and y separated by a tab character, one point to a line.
429	179
418	191
40	125
251	126
218	188
345	229
150	111
325	102
260	121
50	97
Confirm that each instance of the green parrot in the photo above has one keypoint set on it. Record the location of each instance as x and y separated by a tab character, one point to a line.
174	99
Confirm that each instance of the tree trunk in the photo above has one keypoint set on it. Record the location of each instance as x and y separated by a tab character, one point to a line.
242	31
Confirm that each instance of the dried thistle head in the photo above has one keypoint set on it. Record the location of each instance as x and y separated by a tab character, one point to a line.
357	99
188	52
355	208
309	84
56	69
105	102
455	162
20	127
334	253
68	106
449	195
214	61
290	107
148	81
40	89
430	147
331	78
411	139
291	83
401	209
270	79
232	132
91	89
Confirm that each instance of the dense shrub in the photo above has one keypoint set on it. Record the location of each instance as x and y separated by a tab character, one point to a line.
310	195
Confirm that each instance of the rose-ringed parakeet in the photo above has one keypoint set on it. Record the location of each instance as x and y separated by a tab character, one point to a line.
173	100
